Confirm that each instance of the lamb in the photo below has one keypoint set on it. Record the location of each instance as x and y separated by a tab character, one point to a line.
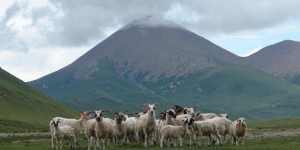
169	132
238	130
61	132
205	128
74	123
104	129
178	122
145	125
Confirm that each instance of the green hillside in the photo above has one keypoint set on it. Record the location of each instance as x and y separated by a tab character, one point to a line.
287	123
238	90
24	108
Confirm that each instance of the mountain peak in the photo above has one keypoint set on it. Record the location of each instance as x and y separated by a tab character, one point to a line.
151	21
280	59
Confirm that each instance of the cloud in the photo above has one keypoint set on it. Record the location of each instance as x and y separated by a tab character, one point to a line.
77	22
252	51
30	27
34	63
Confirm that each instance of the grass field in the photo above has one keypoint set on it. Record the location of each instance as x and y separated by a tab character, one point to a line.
276	143
273	143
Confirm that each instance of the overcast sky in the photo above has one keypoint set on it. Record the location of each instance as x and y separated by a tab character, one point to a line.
38	37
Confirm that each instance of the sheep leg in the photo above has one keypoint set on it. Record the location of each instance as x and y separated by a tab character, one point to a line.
103	143
75	142
190	136
52	141
151	138
224	139
235	140
146	137
243	141
162	141
60	143
219	138
57	144
180	141
197	140
210	141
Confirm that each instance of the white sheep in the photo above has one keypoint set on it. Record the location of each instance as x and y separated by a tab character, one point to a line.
74	123
238	130
63	132
130	123
90	132
178	122
145	125
121	128
205	128
104	129
171	132
204	116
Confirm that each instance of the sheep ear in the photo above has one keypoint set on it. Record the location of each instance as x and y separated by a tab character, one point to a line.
195	107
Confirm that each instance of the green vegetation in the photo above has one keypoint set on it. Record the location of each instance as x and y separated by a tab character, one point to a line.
22	108
235	89
277	124
276	143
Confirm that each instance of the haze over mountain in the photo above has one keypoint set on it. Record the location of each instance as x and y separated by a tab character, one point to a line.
23	107
281	60
156	51
167	64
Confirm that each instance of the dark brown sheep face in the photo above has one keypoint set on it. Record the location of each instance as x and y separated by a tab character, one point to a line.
120	117
172	113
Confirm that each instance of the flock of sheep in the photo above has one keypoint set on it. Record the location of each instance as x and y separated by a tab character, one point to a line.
172	126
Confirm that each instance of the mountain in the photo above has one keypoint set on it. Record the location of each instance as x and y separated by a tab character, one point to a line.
147	63
22	107
280	60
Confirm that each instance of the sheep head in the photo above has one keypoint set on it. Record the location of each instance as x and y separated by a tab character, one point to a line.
55	122
151	108
224	115
190	111
172	113
99	115
119	117
242	122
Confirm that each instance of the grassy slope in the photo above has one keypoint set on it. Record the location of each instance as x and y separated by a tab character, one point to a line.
277	124
235	89
238	90
23	107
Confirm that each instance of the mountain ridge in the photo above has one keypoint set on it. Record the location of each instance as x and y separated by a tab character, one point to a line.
280	60
157	64
23	107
